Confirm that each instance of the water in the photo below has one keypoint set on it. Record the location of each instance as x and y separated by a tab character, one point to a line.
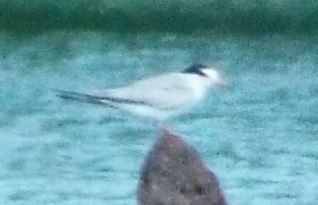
259	135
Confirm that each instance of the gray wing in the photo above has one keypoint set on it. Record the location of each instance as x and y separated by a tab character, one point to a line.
94	99
164	92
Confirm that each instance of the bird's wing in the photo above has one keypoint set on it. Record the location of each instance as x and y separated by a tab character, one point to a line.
94	99
164	92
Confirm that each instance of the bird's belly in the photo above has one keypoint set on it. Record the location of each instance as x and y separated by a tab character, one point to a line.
152	112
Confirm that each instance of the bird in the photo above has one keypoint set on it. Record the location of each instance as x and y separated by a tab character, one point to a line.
160	97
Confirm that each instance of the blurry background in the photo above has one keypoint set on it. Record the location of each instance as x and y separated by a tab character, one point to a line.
259	135
241	16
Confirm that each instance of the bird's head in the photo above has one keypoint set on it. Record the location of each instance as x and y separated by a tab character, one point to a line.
208	73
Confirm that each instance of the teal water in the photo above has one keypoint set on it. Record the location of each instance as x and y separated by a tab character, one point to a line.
259	135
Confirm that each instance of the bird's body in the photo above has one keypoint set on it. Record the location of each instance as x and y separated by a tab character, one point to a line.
159	97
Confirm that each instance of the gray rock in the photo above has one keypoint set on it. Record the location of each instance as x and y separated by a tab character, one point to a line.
174	174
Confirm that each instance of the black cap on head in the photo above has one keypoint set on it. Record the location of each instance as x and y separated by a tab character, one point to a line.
196	69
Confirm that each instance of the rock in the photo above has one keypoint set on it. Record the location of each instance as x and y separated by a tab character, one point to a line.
174	174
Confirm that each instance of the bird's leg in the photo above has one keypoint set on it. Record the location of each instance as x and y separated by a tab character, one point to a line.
164	128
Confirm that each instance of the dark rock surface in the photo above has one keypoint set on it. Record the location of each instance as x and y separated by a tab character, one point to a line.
174	174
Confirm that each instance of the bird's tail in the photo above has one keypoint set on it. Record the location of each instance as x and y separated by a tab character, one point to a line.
70	95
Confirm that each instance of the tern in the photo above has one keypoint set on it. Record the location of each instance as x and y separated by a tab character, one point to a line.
160	97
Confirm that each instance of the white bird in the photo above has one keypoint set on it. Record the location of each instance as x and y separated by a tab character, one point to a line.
160	97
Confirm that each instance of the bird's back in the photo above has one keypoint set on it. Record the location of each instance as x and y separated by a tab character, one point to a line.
163	91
